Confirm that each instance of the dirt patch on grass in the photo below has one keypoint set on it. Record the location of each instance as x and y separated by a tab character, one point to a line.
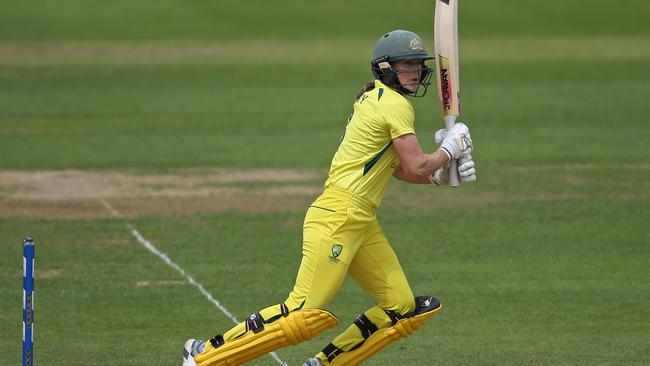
76	184
147	283
49	273
74	194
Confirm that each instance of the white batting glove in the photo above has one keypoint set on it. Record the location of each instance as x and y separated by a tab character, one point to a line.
440	135
466	172
441	176
456	142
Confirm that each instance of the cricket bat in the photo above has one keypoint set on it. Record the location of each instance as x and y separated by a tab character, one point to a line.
445	30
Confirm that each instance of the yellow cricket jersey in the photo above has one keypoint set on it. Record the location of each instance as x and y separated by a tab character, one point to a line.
366	158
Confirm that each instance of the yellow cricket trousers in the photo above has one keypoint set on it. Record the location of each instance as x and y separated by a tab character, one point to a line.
341	236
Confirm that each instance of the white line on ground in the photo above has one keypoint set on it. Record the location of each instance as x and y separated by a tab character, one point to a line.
165	258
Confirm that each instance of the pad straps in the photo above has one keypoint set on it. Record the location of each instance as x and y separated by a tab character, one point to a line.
331	351
366	326
284	309
255	323
394	316
217	341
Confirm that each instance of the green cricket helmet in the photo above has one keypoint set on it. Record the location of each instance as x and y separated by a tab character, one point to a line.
400	45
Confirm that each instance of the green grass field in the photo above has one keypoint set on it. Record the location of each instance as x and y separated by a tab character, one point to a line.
209	126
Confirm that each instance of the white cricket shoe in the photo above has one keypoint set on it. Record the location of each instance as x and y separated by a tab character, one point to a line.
313	362
191	348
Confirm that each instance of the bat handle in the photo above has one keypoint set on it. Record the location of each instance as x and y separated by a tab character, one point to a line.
453	164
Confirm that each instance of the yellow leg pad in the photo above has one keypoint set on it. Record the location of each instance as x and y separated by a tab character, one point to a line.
298	326
382	338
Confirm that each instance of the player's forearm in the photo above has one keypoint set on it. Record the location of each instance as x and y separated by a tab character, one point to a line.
420	172
428	164
436	160
401	174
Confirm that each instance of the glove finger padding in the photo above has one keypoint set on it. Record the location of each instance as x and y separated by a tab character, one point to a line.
464	166
464	159
467	173
466	169
469	179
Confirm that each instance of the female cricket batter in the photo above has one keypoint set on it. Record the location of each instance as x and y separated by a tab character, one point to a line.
341	234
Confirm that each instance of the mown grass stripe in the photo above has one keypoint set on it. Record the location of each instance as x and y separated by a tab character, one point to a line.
519	49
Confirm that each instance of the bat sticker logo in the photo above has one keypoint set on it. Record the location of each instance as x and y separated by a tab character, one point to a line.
443	69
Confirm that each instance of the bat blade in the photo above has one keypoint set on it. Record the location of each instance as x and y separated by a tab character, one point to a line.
445	30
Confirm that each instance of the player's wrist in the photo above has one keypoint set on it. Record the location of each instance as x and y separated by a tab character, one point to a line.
446	153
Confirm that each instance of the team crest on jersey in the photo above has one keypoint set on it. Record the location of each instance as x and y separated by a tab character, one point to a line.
336	251
416	45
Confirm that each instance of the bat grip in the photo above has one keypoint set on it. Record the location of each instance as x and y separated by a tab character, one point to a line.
453	164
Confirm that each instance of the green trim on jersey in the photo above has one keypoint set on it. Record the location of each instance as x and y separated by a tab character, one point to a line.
366	158
372	162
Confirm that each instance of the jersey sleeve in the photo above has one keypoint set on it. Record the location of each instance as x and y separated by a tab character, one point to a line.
400	118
